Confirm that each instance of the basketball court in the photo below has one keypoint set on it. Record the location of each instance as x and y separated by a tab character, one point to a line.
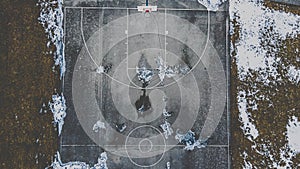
126	65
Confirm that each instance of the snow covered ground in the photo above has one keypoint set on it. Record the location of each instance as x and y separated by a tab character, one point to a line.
51	18
248	127
254	18
260	31
58	108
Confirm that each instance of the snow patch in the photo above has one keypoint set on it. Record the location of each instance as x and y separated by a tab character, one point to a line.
51	17
165	70
101	162
248	127
100	70
121	127
168	165
212	5
58	108
166	113
254	19
98	125
293	134
161	68
247	164
189	140
166	127
285	156
294	74
144	74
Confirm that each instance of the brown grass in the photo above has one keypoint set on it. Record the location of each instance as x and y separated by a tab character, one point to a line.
27	80
282	7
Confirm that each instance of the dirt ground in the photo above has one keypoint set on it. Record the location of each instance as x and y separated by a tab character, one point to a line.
27	138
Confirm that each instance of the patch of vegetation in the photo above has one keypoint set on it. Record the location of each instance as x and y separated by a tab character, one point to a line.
28	138
282	7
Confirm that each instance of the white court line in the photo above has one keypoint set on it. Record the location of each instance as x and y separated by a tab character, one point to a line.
82	34
95	7
157	145
147	68
177	145
181	9
63	77
127	48
66	145
204	50
64	46
154	87
127	53
227	93
101	15
88	51
199	60
93	145
120	8
165	62
218	146
208	33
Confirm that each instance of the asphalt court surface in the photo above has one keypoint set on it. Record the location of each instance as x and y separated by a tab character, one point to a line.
118	38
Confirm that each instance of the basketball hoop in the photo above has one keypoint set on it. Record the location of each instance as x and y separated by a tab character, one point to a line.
147	9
